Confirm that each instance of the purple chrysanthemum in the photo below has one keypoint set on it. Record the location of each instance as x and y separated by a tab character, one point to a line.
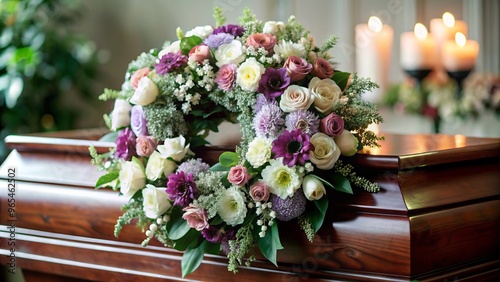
125	144
290	207
293	146
216	40
193	166
307	121
268	122
235	30
273	83
169	62
181	188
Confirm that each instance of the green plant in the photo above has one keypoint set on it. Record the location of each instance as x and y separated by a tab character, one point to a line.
41	62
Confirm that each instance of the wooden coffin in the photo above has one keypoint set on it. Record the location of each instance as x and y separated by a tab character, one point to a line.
436	218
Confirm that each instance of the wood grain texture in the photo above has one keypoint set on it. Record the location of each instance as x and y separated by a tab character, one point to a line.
436	218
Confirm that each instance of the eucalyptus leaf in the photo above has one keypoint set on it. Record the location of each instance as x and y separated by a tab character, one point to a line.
219	167
109	137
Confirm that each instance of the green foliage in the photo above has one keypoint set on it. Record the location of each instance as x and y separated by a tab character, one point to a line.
219	17
42	61
270	244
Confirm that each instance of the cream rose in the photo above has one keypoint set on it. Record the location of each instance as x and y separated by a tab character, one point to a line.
347	143
175	148
120	116
273	27
313	188
296	98
132	178
325	153
158	164
259	151
248	74
201	31
174	47
230	53
155	201
326	94
146	92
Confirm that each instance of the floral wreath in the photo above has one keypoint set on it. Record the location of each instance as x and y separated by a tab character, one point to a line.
297	115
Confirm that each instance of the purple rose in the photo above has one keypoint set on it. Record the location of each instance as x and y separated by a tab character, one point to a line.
273	83
125	144
170	61
226	76
332	125
235	30
138	121
297	68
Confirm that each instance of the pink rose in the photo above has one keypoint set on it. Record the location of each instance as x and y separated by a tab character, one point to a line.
226	76
259	192
262	40
322	68
199	53
332	125
196	218
238	175
138	74
297	68
145	145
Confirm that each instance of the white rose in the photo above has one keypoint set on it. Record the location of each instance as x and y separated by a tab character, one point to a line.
347	143
174	47
273	27
326	94
325	153
230	53
156	201
232	208
200	31
132	178
120	116
313	188
175	148
145	93
158	164
296	98
249	73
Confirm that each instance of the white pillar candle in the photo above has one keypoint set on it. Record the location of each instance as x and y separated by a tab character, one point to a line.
373	54
417	50
444	29
460	54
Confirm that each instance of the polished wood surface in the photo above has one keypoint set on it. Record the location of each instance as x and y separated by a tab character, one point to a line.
436	218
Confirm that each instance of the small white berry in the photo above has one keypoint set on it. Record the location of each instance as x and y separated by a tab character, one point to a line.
149	234
159	221
153	227
166	218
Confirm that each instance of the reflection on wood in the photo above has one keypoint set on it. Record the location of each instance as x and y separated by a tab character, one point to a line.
436	218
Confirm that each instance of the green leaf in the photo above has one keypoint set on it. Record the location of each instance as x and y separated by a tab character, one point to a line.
110	137
107	178
317	216
228	159
341	183
322	180
270	244
219	167
192	239
192	258
341	78
187	43
212	248
177	227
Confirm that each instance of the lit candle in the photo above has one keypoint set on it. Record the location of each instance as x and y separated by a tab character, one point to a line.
373	54
418	50
444	29
460	54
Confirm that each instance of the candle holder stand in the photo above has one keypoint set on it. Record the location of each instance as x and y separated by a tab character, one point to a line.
459	77
418	76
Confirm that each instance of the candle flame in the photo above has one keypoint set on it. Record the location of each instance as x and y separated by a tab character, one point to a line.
448	19
420	31
375	24
460	39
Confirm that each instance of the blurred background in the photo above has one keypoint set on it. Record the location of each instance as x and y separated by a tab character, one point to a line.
56	56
